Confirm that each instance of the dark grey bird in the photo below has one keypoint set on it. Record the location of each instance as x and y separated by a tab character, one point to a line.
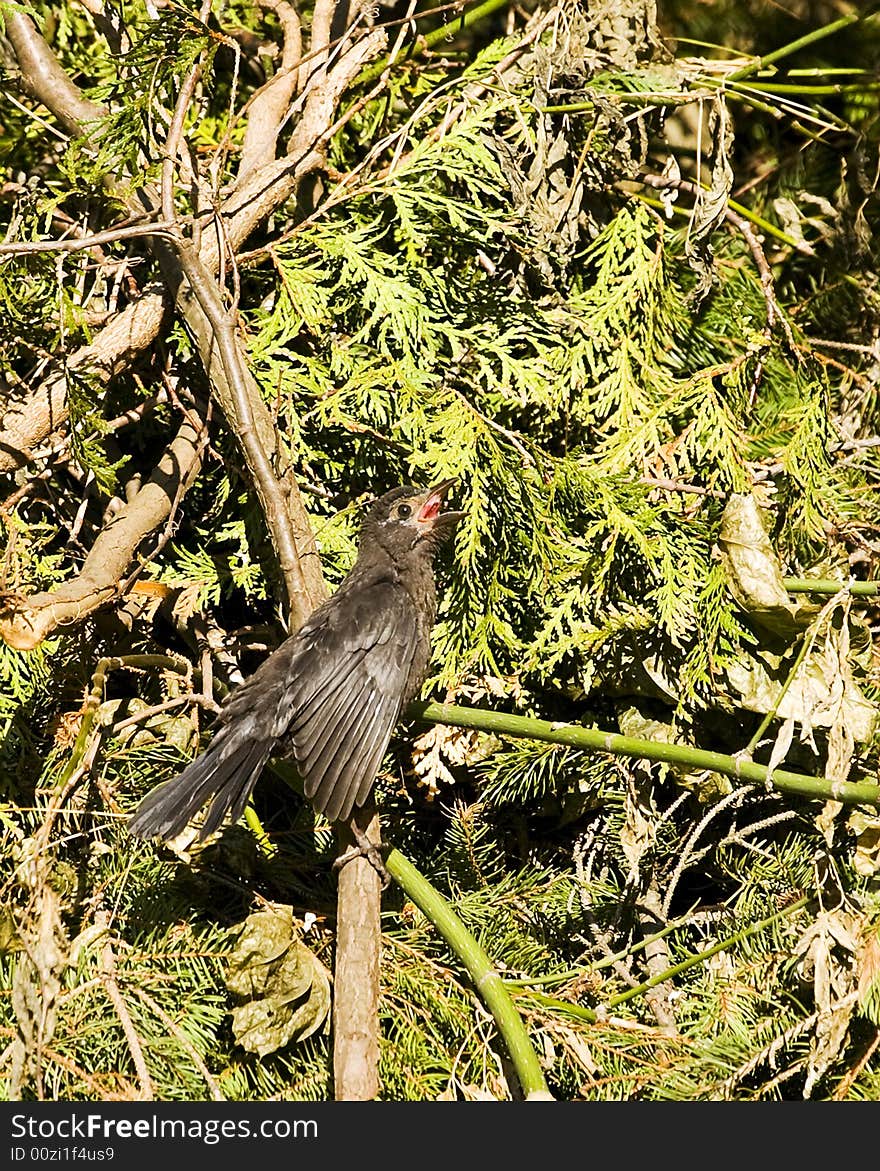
330	695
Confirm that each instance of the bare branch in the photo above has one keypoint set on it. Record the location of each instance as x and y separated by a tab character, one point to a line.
108	975
356	975
172	142
28	422
270	104
80	243
303	595
44	78
26	621
314	128
322	21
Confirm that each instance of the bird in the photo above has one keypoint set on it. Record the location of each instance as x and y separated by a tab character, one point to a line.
330	695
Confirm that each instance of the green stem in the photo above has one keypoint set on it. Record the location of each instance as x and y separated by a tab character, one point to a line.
706	954
740	209
806	644
576	973
575	736
589	1014
428	40
488	983
648	97
810	38
827	585
772	87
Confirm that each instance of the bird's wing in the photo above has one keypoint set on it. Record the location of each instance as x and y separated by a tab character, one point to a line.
332	693
344	692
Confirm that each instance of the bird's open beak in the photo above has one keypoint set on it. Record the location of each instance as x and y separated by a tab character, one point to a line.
432	502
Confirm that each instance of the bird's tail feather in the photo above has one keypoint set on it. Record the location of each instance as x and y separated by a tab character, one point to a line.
224	775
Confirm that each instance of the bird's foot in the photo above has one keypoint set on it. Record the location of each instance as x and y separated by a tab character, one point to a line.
364	848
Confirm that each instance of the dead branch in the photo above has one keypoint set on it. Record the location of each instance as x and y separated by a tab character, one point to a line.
43	410
243	394
266	187
108	975
80	243
356	976
184	1042
43	77
313	130
322	20
26	621
657	957
270	104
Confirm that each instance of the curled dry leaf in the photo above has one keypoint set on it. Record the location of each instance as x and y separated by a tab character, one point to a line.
823	692
827	950
282	987
754	574
864	823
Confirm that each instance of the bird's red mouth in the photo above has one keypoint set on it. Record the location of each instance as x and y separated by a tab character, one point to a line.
430	510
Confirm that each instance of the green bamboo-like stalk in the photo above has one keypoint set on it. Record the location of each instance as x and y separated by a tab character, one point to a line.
810	38
595	739
589	1014
827	585
487	981
685	98
746	213
776	87
576	973
428	40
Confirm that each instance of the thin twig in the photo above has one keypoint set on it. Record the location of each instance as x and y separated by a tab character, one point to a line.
108	972
175	1030
83	243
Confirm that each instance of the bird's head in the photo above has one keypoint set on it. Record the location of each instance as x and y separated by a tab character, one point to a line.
407	516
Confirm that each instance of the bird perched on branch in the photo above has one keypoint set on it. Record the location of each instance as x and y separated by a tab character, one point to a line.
330	695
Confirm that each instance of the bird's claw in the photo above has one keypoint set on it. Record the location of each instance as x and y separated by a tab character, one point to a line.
364	848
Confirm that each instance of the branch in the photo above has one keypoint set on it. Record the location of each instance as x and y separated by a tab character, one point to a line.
269	106
319	43
108	975
191	274
487	982
304	585
28	422
43	77
315	127
574	736
25	622
356	974
80	243
136	327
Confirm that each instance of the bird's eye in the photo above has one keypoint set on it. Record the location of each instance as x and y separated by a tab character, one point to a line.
404	510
